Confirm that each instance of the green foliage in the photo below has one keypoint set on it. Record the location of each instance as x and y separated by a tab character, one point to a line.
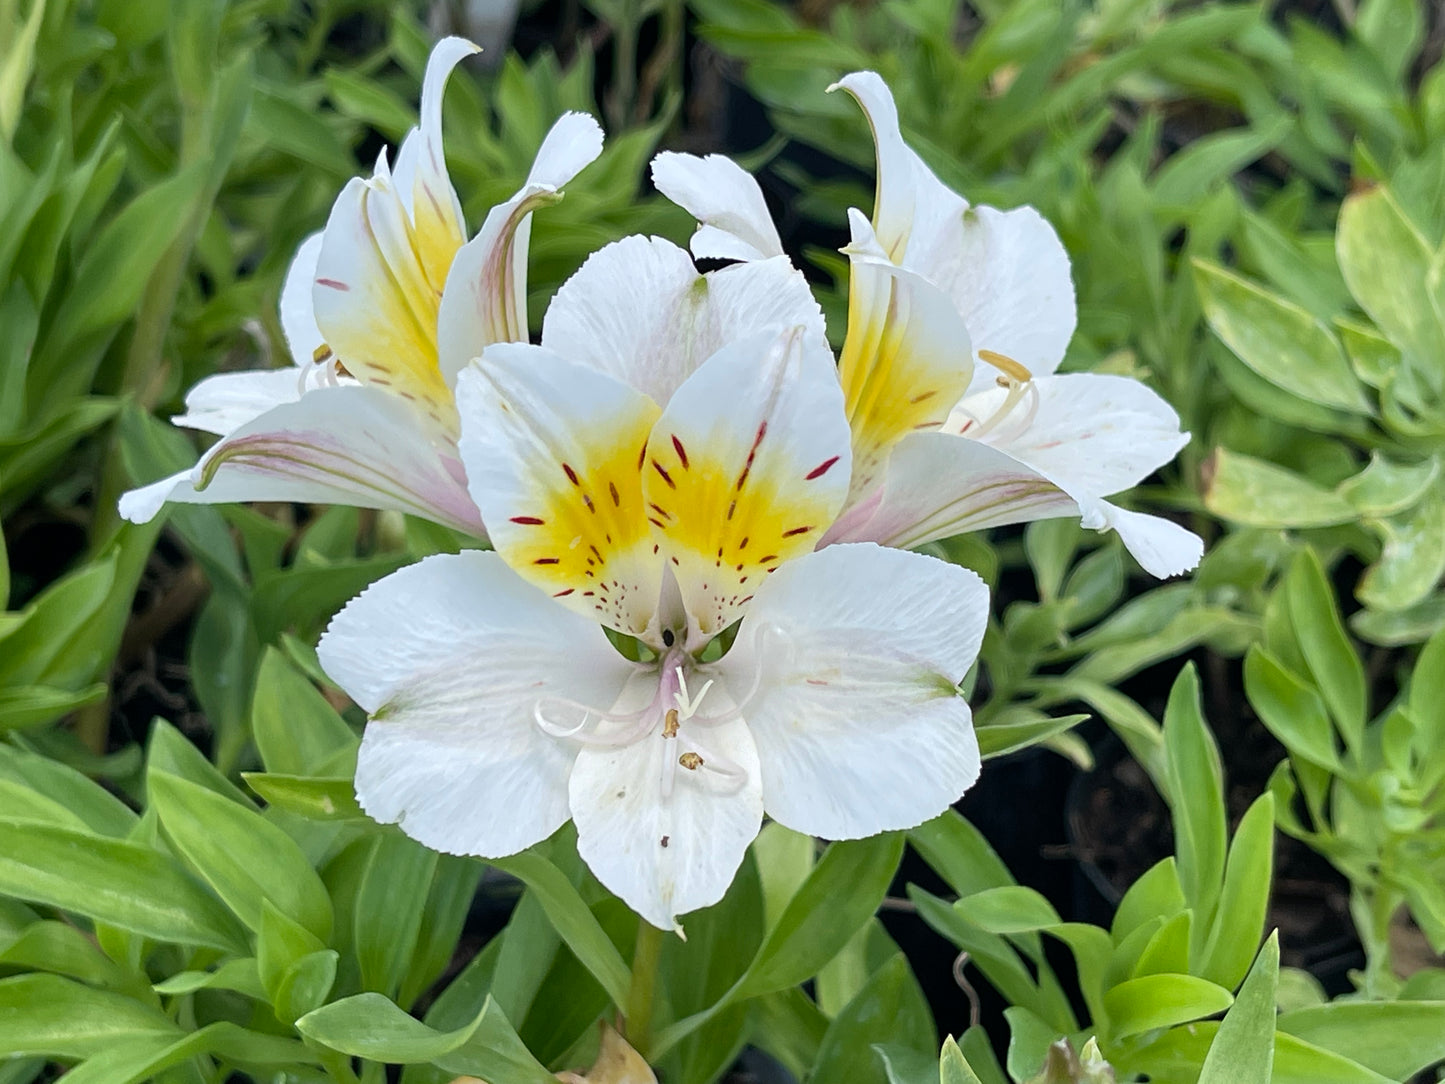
1181	943
1363	794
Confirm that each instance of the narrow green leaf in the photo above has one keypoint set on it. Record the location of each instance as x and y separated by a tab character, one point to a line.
573	920
890	1008
1292	710
36	705
113	881
447	906
839	896
1157	894
389	905
243	856
1413	557
313	797
1196	789
1243	1049
1248	875
1276	338
958	852
61	948
1396	1039
170	751
140	1060
1168	950
53	1017
1161	1001
1386	263
1333	663
117	264
372	1027
1246	490
295	729
953	1067
1385	488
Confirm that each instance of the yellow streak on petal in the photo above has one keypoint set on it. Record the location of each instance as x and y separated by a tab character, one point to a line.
586	538
894	381
728	514
388	337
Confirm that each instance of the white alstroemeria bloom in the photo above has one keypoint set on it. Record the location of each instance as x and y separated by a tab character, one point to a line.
499	707
958	317
381	309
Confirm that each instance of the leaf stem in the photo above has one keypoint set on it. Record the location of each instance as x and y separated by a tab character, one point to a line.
642	994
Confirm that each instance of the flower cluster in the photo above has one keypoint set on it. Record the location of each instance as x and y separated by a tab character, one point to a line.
681	466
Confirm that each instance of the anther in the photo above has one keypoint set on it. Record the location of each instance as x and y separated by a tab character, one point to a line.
691	761
1007	365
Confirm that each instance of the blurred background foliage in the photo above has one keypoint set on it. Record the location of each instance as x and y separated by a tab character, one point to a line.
1253	196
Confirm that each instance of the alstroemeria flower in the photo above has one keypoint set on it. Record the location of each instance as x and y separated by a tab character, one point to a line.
957	318
499	707
381	309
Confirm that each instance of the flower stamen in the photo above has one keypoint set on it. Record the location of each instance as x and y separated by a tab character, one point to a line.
1020	387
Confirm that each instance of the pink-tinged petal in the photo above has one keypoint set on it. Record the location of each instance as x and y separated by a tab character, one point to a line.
938	485
745	470
639	310
451	657
855	652
341	445
1091	433
667	838
733	219
552	451
298	314
485	300
1162	547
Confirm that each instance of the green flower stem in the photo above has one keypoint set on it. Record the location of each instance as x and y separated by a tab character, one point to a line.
642	996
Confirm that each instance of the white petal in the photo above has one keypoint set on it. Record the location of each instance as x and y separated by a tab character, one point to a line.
903	188
746	469
640	311
668	852
485	299
144	504
572	144
734	222
1161	546
938	485
1091	433
223	403
906	359
421	169
298	314
552	452
856	651
1008	273
450	657
342	445
373	301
